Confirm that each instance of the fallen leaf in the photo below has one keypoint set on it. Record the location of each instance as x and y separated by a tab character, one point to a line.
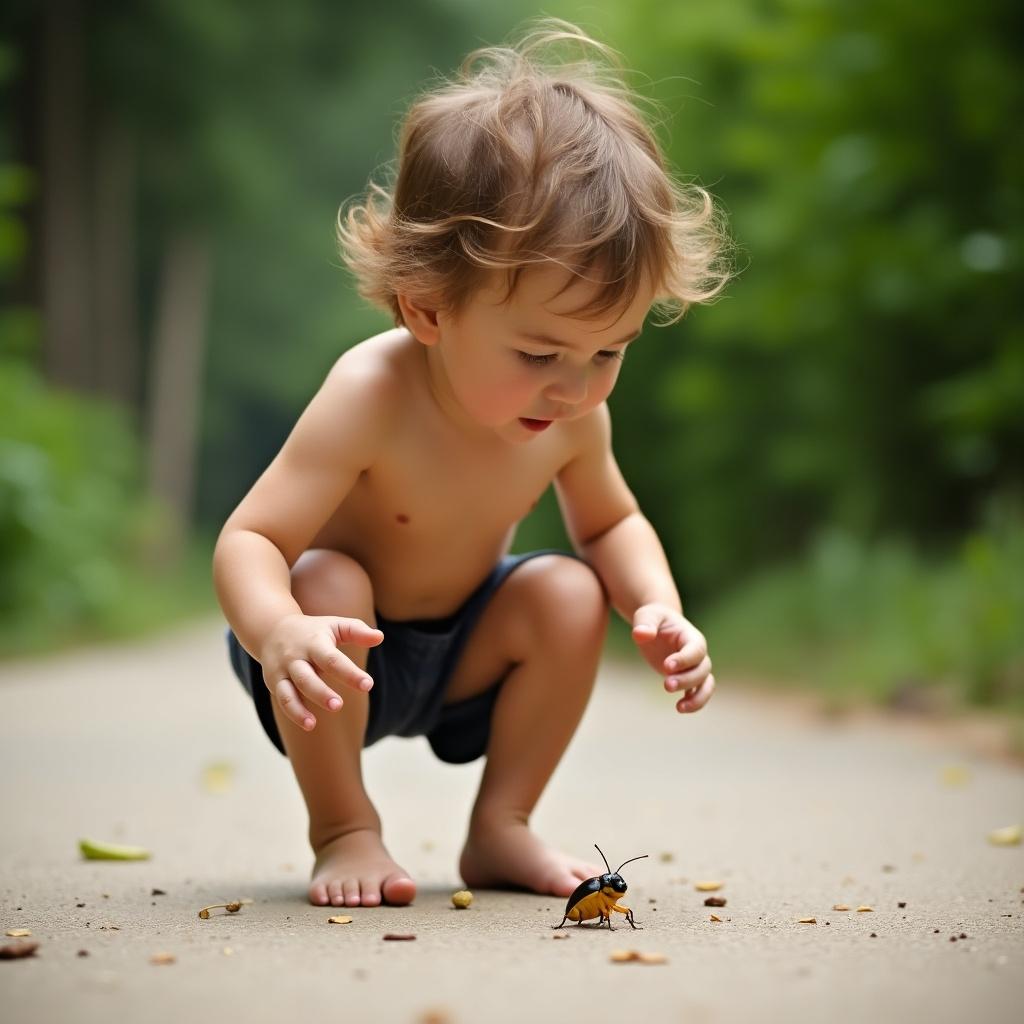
708	886
231	908
1008	836
435	1017
955	775
163	958
840	906
652	958
17	950
92	850
339	920
218	776
18	933
624	956
865	910
808	920
392	937
715	901
716	918
560	935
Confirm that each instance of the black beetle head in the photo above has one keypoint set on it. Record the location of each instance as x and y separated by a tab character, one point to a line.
613	880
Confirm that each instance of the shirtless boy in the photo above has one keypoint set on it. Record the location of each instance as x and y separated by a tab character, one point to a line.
365	575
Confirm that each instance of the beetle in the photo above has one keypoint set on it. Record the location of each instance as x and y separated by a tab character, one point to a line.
599	896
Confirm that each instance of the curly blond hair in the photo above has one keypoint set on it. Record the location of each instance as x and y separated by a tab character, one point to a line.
527	159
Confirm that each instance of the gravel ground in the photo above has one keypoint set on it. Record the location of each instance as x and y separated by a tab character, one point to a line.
792	813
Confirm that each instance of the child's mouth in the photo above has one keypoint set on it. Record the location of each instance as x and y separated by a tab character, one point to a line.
535	425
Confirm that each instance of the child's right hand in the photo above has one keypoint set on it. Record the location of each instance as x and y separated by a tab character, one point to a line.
300	656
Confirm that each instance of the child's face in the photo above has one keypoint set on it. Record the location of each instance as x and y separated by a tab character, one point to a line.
516	368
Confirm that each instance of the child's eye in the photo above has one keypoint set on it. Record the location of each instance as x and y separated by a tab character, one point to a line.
528	357
610	354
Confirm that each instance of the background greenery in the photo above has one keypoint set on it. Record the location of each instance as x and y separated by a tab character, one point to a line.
833	453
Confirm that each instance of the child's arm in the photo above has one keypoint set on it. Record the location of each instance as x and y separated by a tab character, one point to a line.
334	440
608	529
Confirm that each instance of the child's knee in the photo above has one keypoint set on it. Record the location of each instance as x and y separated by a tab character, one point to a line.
570	598
328	582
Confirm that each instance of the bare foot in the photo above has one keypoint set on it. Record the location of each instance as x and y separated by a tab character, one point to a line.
500	856
355	870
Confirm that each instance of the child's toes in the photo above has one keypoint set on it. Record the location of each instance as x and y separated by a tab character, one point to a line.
564	885
335	893
398	889
351	890
369	896
318	894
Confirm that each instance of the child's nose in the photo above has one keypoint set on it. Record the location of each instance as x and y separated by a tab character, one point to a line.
570	388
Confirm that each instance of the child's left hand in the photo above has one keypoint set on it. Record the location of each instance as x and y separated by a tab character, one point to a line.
676	649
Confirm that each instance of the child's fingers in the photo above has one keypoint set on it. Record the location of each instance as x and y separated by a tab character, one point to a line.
311	686
698	698
338	668
688	680
355	631
288	700
691	654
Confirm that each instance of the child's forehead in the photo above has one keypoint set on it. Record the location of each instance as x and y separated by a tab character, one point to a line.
550	291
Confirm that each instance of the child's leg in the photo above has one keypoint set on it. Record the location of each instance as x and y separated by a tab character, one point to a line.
545	628
352	867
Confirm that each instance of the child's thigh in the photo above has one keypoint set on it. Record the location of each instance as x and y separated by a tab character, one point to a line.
551	603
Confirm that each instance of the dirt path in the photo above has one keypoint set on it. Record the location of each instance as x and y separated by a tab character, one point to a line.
793	815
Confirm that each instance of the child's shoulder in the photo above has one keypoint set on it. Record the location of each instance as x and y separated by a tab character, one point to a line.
376	373
361	397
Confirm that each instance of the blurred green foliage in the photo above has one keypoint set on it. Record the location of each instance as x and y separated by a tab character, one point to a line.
854	618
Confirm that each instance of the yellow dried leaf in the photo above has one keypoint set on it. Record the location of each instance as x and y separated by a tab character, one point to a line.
865	910
708	886
1008	836
808	920
621	956
840	906
218	776
956	775
163	958
715	917
339	920
18	933
652	958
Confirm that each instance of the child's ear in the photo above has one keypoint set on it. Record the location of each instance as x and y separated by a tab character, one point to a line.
420	316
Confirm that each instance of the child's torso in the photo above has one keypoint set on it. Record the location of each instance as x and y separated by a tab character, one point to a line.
432	516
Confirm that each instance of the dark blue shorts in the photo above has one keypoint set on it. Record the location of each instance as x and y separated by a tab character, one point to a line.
410	670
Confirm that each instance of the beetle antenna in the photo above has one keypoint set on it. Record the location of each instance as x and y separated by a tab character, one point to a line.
603	857
630	861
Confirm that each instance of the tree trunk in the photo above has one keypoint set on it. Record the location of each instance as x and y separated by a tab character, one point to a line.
175	380
117	337
66	249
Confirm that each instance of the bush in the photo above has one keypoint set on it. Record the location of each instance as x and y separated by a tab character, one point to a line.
881	619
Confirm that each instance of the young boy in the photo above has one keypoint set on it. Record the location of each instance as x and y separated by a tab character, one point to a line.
365	576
